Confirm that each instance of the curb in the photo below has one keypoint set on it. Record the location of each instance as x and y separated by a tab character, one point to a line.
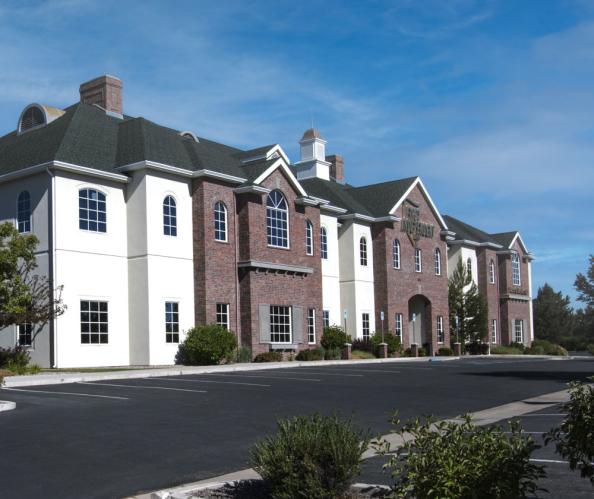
6	405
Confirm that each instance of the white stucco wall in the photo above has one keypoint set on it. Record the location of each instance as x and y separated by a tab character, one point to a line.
331	271
457	252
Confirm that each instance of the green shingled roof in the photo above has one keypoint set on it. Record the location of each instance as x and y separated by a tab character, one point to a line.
504	238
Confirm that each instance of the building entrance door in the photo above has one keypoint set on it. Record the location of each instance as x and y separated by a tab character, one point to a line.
419	309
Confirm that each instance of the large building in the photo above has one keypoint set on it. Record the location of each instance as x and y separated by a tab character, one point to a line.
151	230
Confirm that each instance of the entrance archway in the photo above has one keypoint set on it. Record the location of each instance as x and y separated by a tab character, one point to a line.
419	320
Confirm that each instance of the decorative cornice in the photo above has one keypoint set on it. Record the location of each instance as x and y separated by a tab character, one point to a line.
274	267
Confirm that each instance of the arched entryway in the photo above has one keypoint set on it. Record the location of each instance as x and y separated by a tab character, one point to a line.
419	321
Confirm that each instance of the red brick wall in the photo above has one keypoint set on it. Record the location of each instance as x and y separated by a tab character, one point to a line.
394	288
490	291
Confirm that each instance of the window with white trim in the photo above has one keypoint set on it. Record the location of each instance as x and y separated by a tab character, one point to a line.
25	335
440	333
363	251
492	272
418	260
24	212
516	269
326	318
365	324
324	243
223	315
169	216
171	322
469	267
92	214
277	220
94	322
311	325
308	238
437	261
398	326
220	222
494	331
519	331
280	324
396	254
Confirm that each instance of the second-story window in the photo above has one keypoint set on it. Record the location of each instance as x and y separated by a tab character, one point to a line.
469	267
308	238
277	223
396	254
324	243
516	280
24	212
437	261
220	222
418	260
363	251
92	214
492	272
169	216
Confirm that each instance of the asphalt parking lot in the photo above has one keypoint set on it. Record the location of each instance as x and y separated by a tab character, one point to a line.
117	438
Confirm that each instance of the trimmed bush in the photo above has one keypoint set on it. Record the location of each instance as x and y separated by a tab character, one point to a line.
334	337
361	354
393	342
269	357
463	461
504	350
445	352
332	353
206	345
422	352
310	456
244	355
14	358
544	347
518	346
591	348
476	348
312	354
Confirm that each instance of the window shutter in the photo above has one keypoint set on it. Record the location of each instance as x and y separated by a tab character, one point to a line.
297	325
264	313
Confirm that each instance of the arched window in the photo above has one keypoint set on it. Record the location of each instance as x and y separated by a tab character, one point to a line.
220	221
92	212
24	212
516	280
396	254
277	225
308	237
418	260
363	251
437	261
469	267
169	216
492	272
324	243
31	118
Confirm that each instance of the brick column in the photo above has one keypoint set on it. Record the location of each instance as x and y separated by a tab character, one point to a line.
457	349
346	351
383	350
414	350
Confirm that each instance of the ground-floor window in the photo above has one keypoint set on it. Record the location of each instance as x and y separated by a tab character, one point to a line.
25	334
326	318
494	331
280	324
440	334
398	327
171	322
311	325
365	321
93	322
519	331
223	315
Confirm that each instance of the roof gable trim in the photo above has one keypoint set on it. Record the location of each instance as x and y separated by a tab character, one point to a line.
280	163
434	209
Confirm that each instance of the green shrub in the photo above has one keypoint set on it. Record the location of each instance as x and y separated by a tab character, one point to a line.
332	353
476	348
393	342
312	354
445	352
361	354
574	439
544	347
206	345
269	357
364	345
590	348
422	352
334	337
244	355
17	357
407	352
504	350
449	459
310	456
518	346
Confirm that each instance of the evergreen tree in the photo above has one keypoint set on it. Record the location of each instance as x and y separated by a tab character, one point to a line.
584	284
553	315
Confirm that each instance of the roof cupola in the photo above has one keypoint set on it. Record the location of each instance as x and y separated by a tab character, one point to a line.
313	156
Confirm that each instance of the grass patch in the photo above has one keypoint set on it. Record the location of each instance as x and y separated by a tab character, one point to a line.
361	354
504	350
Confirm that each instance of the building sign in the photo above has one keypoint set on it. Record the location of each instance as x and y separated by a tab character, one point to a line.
412	225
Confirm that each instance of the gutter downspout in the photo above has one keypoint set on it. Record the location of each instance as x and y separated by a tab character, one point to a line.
52	267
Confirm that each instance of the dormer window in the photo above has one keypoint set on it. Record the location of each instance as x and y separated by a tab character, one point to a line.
32	117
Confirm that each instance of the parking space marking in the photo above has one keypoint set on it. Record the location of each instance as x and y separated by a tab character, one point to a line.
141	386
261	376
212	381
306	370
361	372
540	415
67	393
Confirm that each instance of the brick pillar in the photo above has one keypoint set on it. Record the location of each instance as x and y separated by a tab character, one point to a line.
457	349
414	350
383	350
346	351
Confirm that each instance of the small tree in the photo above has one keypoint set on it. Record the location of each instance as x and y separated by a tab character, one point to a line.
584	284
25	297
334	337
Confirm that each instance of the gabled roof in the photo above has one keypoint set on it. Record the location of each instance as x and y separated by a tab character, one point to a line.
379	199
504	238
467	232
337	194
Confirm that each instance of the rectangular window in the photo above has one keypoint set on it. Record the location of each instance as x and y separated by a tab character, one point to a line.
516	269
365	318
25	334
494	331
92	213
440	335
171	322
223	315
418	264
93	322
398	327
311	325
280	324
326	318
519	331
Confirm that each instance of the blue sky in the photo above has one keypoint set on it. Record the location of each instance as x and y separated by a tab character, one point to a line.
491	103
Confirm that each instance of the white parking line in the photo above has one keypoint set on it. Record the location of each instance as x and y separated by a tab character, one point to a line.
540	415
340	369
307	371
141	386
212	381
261	376
67	393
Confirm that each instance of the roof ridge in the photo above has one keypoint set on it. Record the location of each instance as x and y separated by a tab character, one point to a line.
385	182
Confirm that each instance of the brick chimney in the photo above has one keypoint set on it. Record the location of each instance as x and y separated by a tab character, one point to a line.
105	91
336	167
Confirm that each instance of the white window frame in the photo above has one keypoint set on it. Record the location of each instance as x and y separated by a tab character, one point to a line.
437	261
221	218
277	311
398	326
365	325
493	330
171	322
88	219
222	314
469	266
24	224
440	330
325	318
324	243
20	333
363	251
309	244
311	326
396	254
491	272
274	214
101	320
516	274
520	330
418	260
